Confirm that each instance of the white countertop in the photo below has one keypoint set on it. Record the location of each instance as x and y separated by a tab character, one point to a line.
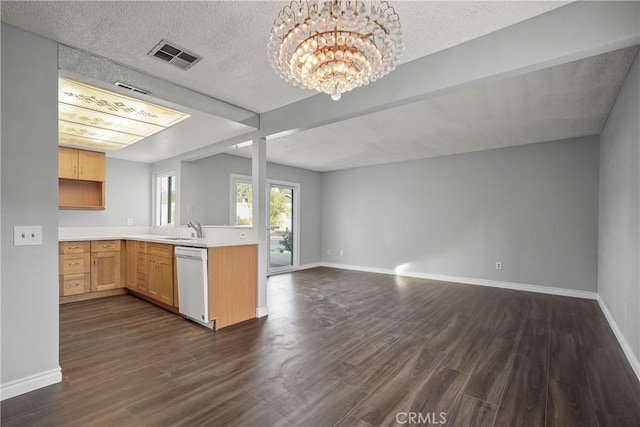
213	237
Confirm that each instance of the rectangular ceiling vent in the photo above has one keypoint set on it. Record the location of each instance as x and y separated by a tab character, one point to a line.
132	88
169	52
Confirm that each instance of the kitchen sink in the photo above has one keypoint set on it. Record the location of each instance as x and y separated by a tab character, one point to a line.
179	238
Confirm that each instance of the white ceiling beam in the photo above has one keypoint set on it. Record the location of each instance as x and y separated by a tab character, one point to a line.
101	69
576	31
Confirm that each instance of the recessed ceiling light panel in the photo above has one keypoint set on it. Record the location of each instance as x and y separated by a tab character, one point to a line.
106	120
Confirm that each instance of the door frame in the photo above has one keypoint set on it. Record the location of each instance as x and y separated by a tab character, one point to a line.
295	220
233	178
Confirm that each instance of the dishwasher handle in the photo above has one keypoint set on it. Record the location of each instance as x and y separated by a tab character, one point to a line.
196	257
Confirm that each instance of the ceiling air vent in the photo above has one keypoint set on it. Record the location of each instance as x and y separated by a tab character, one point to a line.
133	88
174	55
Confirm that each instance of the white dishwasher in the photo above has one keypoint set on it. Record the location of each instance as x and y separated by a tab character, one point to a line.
193	284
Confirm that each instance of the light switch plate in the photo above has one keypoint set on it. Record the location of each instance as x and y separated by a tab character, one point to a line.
26	235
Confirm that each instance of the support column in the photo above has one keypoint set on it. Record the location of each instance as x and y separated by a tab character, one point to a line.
259	181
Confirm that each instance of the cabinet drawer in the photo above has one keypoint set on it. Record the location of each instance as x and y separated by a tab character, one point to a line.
142	280
142	284
142	247
74	264
74	284
105	246
142	263
73	247
160	249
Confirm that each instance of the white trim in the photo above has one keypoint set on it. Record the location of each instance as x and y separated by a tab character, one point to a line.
633	360
295	187
471	281
155	196
262	311
233	179
308	266
30	383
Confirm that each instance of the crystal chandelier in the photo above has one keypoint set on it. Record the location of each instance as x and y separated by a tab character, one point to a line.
335	46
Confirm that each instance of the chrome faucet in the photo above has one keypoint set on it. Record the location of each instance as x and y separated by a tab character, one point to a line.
197	227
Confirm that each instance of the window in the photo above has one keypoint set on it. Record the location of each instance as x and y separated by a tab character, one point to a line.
165	198
241	200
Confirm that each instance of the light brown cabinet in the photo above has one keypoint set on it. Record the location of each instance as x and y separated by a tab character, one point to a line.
80	164
150	271
81	176
90	269
105	271
74	267
67	163
160	278
232	284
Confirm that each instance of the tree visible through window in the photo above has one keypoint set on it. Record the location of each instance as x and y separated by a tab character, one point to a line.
244	205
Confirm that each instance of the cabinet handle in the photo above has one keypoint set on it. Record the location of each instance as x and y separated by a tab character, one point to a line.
106	246
75	263
75	170
81	170
74	247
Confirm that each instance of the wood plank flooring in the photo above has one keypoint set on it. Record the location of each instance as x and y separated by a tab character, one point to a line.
341	348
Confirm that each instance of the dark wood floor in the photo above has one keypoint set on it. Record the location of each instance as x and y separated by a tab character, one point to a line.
341	348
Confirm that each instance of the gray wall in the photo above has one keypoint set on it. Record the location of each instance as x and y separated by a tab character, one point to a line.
204	188
205	185
29	197
128	195
619	229
533	207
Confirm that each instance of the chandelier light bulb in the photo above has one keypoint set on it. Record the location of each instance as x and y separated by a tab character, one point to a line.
336	46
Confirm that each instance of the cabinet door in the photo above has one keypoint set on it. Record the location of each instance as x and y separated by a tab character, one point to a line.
166	282
105	271
91	165
232	284
131	274
160	278
67	163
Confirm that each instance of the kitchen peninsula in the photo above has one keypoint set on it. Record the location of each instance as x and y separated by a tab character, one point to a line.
101	263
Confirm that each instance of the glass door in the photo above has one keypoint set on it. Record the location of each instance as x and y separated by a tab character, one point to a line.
281	222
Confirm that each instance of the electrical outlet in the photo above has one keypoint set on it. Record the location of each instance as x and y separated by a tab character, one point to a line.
243	234
129	221
328	251
341	252
498	265
25	235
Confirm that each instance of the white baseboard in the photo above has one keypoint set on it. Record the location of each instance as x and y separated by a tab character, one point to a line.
262	311
471	281
30	383
633	360
308	266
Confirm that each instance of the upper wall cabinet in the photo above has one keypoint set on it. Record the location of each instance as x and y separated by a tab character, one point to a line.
80	164
81	179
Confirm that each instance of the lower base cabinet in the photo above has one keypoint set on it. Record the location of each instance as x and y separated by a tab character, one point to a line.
160	278
232	284
90	269
150	271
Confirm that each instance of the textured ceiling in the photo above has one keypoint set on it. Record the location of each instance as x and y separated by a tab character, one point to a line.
232	36
565	101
